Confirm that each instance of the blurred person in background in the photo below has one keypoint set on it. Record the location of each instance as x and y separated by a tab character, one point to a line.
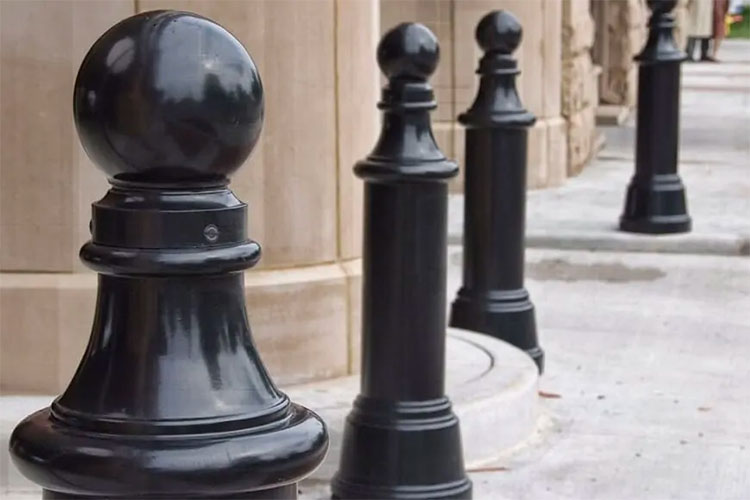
700	27
721	9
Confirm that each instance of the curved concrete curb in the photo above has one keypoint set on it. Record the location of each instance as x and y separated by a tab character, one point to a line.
498	409
603	236
689	243
492	384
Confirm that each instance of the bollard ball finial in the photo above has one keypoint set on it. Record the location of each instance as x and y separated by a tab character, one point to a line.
409	51
168	97
499	31
661	6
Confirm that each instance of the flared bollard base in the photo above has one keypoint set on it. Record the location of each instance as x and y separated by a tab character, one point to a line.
281	493
407	449
259	461
656	206
657	225
507	315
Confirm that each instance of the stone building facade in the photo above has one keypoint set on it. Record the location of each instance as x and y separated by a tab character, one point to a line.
579	86
317	61
454	22
321	84
620	33
576	55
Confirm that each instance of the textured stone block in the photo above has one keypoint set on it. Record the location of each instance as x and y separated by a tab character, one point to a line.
353	271
291	181
581	139
45	327
358	83
42	44
547	153
620	35
579	88
302	319
577	28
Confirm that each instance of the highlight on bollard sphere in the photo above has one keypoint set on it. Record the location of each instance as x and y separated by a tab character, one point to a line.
166	96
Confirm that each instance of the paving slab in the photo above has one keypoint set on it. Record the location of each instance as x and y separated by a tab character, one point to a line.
646	379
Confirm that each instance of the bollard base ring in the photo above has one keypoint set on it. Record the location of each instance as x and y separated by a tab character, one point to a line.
69	462
286	492
401	450
507	315
657	224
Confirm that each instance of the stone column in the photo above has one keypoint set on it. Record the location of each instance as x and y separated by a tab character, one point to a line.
46	297
579	83
454	21
680	14
316	58
620	34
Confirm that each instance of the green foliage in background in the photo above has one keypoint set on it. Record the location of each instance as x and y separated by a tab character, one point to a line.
741	29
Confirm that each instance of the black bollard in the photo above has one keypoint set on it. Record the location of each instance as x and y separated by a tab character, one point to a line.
493	299
655	201
171	399
401	439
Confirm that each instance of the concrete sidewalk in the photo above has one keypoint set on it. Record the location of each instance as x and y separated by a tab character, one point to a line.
645	391
714	164
646	380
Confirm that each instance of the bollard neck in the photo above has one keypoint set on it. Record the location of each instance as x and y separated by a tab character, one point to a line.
171	355
661	46
163	182
497	103
147	230
406	149
404	95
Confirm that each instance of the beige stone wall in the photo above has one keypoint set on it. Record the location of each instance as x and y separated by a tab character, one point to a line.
317	61
680	14
455	82
620	35
316	58
580	96
46	186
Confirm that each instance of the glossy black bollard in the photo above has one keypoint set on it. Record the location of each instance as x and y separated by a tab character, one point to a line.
171	399
493	299
655	200
402	440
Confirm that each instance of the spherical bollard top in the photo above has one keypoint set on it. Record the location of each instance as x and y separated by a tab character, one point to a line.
661	6
499	31
409	51
168	97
